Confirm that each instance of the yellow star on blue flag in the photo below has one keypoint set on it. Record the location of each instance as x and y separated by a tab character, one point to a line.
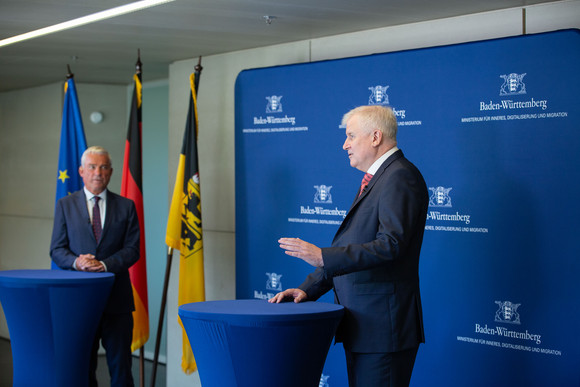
63	175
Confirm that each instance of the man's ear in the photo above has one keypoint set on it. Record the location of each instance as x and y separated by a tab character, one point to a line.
377	137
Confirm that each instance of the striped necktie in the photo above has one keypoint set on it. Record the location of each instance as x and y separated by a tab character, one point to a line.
97	228
365	182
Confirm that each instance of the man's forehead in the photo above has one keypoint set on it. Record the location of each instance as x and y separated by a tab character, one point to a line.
94	159
352	127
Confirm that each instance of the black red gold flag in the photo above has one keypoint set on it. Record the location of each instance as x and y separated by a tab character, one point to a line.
132	188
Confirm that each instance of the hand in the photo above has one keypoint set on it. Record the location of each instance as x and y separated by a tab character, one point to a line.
297	295
96	267
87	262
303	250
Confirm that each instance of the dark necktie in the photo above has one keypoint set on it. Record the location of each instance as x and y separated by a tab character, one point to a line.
97	228
365	181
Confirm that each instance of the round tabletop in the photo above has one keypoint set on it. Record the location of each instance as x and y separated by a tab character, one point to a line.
19	278
249	310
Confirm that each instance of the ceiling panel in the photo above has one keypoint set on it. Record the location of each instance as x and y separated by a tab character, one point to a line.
106	51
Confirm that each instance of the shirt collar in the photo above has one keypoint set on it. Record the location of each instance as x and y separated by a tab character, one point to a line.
375	167
89	195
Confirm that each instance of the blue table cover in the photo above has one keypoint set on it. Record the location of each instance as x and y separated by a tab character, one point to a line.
255	343
52	318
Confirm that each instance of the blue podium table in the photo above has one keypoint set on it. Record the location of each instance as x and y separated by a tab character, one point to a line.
254	343
52	318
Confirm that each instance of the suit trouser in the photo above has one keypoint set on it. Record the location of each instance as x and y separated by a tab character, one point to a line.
391	369
115	332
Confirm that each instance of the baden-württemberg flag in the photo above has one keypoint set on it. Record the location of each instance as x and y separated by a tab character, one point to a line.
184	231
132	188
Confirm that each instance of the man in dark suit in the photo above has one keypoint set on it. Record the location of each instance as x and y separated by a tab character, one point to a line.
96	235
373	262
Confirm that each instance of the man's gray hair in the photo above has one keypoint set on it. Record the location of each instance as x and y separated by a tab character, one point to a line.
375	117
95	150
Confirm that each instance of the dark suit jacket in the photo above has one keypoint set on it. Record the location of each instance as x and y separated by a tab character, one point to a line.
373	262
118	248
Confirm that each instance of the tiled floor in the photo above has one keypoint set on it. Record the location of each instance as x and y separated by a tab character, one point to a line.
102	371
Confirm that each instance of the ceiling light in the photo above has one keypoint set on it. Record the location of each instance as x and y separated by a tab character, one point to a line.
106	14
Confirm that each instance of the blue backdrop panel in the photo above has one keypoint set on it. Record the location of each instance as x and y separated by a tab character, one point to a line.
493	126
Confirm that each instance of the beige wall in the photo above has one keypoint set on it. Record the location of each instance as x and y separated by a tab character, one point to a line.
216	120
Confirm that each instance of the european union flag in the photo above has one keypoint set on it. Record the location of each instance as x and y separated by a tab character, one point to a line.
72	144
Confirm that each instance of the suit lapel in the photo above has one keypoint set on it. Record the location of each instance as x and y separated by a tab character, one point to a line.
110	204
398	154
81	204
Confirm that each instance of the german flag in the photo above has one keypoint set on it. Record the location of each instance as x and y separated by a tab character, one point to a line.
132	188
184	232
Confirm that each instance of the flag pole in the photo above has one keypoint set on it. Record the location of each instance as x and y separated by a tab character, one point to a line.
161	314
138	66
